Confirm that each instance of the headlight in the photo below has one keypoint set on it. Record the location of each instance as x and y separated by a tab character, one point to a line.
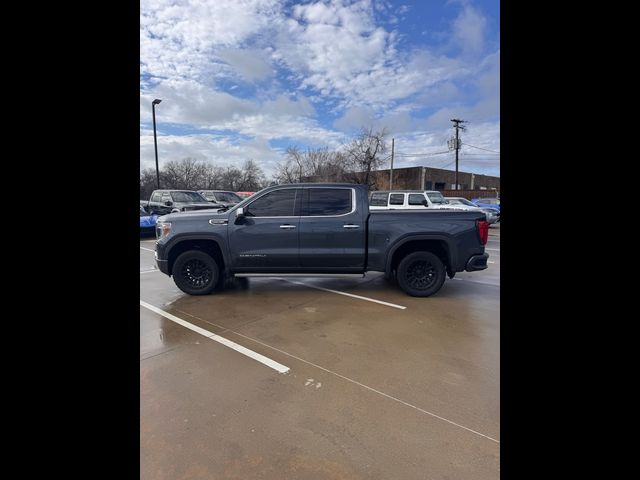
162	229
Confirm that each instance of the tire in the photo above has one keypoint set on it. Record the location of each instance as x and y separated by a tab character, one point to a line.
195	272
421	274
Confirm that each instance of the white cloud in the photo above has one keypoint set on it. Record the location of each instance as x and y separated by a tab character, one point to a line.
177	38
216	149
251	64
469	30
214	65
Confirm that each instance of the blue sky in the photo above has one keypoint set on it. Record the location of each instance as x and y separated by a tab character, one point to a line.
243	79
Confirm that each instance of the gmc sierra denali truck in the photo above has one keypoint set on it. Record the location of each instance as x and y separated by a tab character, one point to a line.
319	230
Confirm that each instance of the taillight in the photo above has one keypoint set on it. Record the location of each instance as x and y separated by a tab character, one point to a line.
483	231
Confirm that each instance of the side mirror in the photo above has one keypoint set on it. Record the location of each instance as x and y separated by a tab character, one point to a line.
240	212
168	203
425	203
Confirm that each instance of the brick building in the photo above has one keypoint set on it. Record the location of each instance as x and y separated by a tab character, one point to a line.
428	178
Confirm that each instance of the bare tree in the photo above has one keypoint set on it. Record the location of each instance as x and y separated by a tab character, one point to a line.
252	177
364	154
212	177
319	165
186	174
148	183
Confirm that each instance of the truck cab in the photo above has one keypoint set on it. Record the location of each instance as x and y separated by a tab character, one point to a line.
406	200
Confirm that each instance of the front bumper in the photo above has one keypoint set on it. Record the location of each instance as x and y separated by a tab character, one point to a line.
477	262
162	263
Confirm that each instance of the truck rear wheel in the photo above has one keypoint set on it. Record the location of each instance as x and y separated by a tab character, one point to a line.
421	274
195	272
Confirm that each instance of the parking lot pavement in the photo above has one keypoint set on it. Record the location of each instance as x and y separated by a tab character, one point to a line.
372	390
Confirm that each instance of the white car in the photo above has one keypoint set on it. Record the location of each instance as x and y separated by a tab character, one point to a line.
406	200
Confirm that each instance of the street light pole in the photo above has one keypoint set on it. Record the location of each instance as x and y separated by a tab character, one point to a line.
155	138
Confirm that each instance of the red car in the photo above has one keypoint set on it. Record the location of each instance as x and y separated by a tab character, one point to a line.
245	194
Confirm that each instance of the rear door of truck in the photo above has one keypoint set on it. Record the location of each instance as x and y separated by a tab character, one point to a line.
332	230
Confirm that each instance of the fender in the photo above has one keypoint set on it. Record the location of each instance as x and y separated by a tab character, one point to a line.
448	239
218	238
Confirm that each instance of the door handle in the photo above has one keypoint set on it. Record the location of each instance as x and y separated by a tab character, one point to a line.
286	227
350	225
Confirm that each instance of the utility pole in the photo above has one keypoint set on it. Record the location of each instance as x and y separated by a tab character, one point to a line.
457	126
393	140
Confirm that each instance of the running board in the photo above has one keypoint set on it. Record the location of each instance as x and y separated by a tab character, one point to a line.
308	275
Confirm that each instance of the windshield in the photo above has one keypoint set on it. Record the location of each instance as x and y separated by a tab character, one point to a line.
229	197
435	197
188	197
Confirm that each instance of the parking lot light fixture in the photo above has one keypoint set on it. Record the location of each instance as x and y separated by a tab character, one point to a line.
155	138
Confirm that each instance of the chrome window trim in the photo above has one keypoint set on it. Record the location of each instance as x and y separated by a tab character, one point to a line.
353	202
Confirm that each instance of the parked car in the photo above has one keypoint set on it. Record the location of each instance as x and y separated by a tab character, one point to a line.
244	194
487	202
155	209
147	222
319	230
493	215
178	200
221	197
406	199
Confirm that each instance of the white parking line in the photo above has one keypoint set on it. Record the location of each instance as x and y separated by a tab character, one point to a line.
476	281
147	249
400	307
217	338
490	249
147	241
421	410
149	271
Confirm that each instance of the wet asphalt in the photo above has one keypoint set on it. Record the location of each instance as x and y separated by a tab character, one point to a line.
373	390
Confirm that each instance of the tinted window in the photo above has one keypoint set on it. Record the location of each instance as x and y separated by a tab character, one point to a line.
396	199
416	199
379	199
155	197
227	197
275	204
187	197
328	201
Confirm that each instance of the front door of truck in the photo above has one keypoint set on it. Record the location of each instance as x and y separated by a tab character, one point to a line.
266	238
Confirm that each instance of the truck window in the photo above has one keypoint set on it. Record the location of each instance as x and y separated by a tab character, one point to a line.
279	203
396	199
156	197
416	199
328	201
379	199
435	197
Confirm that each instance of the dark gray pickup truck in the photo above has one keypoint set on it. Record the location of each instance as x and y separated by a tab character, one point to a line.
319	230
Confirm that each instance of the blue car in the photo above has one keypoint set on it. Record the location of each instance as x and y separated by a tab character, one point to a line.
487	202
147	222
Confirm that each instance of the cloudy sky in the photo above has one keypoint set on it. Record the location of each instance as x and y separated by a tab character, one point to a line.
244	79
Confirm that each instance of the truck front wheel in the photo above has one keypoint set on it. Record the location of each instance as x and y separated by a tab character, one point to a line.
421	274
195	272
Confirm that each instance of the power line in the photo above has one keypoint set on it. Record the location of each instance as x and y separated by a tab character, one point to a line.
480	148
420	154
479	154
